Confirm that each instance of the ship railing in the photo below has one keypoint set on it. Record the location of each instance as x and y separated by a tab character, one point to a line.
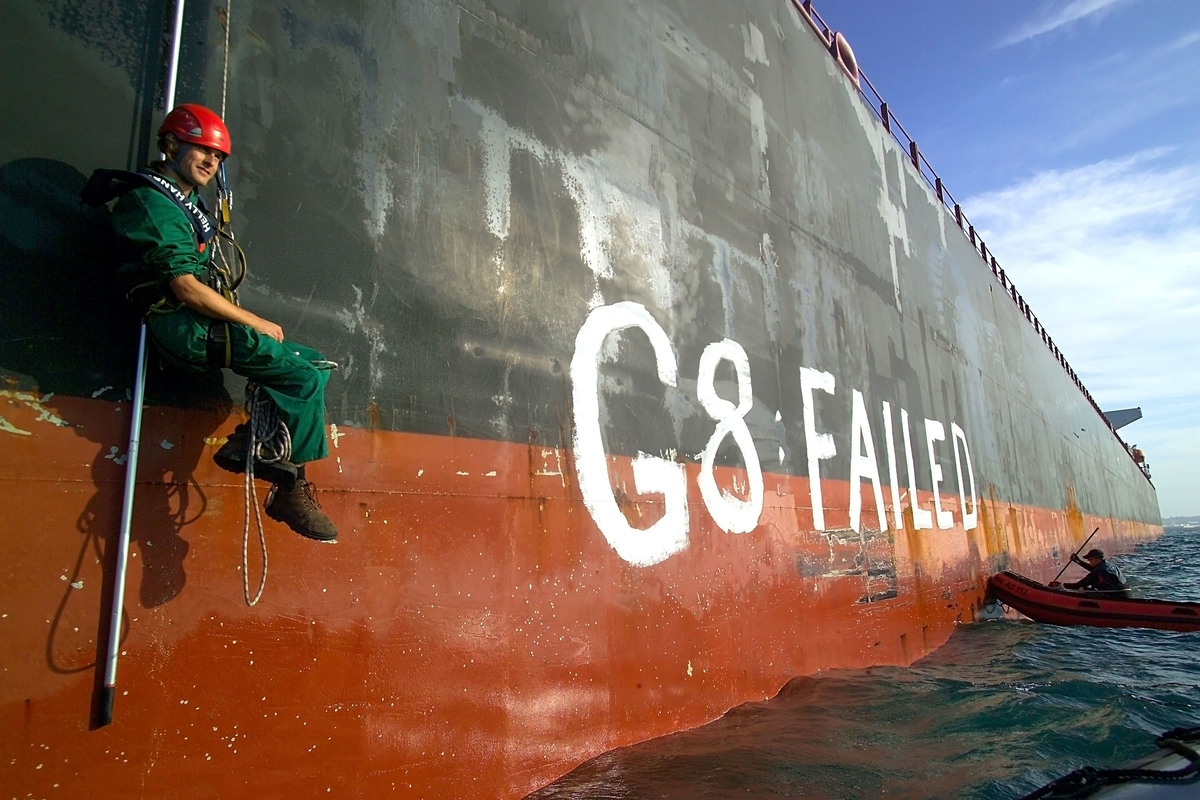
839	49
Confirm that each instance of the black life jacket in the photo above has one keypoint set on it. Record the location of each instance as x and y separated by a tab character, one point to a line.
108	184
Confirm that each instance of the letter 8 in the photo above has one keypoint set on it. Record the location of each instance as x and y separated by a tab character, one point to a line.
729	512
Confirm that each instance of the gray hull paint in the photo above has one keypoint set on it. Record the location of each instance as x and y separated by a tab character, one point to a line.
438	194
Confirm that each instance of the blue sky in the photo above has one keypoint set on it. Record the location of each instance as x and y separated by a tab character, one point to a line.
1070	133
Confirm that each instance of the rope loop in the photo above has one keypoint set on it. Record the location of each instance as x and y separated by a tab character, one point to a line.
269	441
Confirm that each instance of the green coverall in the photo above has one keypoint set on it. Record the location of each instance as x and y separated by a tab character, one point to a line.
160	232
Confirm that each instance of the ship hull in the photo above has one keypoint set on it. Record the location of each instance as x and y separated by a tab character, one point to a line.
473	636
664	379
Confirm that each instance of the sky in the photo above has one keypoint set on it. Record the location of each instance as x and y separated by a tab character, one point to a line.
1069	131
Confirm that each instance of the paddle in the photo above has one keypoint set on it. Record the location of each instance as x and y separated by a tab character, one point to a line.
1073	555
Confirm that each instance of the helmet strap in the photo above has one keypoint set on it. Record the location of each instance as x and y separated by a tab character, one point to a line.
172	159
176	167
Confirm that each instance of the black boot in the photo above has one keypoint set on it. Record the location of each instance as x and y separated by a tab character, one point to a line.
232	458
297	507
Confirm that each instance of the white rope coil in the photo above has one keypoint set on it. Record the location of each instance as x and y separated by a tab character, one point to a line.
270	442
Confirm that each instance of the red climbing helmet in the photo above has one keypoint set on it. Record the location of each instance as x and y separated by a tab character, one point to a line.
196	124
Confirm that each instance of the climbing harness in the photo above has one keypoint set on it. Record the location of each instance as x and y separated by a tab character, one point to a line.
269	441
227	267
226	271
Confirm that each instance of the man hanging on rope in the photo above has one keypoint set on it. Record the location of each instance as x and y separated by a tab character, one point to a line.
194	319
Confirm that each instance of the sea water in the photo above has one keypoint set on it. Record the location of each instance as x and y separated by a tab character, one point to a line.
1003	708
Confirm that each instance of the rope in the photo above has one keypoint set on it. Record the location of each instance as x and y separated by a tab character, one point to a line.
1086	781
269	441
232	277
232	271
251	500
225	66
258	411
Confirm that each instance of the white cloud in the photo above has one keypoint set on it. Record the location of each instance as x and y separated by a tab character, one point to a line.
1057	16
1136	86
1108	257
1183	42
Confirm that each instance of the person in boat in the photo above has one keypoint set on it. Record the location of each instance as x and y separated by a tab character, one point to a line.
170	275
1102	576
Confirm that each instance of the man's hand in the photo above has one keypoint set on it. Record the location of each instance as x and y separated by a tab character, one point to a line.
268	328
1055	584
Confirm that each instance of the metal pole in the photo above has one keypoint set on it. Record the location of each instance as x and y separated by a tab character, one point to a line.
118	601
173	59
135	435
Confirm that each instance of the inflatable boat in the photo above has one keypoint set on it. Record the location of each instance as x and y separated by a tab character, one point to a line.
1067	607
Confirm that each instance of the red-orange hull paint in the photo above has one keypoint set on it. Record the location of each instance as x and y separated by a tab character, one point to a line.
472	634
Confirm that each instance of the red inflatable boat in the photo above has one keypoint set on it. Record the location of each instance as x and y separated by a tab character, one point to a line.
1066	607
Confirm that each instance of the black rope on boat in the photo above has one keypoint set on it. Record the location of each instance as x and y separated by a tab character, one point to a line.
1086	781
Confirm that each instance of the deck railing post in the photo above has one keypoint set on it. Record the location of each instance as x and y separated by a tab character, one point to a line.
943	196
